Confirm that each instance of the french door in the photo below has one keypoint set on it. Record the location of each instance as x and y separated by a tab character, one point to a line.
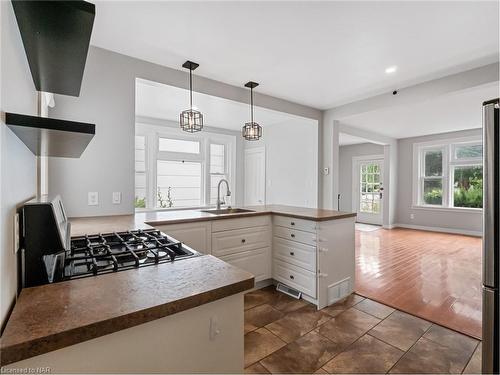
368	190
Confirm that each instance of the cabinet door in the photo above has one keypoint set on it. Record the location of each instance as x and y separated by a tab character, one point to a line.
256	261
195	235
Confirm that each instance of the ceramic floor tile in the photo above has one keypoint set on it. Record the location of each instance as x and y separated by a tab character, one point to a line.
298	323
303	356
374	308
286	303
474	365
259	344
451	339
343	305
259	316
358	319
428	357
400	330
367	355
340	332
258	297
256	368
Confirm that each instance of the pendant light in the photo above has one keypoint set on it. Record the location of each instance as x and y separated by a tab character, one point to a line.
191	120
251	130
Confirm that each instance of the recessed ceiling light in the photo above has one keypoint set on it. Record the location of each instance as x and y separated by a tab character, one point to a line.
391	69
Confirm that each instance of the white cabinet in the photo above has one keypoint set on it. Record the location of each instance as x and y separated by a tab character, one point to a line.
314	257
197	235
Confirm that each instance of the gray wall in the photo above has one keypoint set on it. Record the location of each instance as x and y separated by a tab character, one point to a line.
18	165
454	220
346	153
108	99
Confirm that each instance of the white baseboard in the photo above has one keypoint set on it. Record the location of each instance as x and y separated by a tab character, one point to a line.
439	229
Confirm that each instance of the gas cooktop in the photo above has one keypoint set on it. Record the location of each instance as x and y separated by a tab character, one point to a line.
104	253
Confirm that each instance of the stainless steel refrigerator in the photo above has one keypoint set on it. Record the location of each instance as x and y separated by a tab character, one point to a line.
491	238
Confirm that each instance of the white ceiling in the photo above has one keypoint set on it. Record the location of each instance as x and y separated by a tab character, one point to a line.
166	102
321	54
456	111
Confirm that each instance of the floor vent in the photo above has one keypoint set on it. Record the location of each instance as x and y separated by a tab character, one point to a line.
289	291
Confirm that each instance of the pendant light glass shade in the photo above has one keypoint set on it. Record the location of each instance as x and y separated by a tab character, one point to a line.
251	131
191	120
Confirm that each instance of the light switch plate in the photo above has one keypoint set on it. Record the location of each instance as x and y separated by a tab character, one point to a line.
117	197
93	198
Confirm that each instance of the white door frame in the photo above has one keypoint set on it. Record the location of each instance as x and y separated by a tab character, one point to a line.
250	151
355	184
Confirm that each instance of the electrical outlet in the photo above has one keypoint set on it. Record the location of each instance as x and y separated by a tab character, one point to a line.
412	216
93	198
16	233
117	197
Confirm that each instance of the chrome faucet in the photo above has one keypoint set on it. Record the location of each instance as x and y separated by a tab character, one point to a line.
228	193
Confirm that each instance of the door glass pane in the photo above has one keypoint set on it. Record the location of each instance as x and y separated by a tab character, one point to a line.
369	188
469	151
178	145
433	191
468	186
433	163
179	184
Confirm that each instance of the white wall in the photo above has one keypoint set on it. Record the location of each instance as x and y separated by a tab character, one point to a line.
291	163
108	99
346	154
455	220
17	164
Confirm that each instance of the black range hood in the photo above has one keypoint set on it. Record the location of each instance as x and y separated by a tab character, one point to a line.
56	38
51	137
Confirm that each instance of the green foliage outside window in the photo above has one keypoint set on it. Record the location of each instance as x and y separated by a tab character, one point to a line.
140	202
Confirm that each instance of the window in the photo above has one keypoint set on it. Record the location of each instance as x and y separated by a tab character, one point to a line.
174	170
450	174
370	188
140	172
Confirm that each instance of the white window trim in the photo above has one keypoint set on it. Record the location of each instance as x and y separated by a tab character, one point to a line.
449	160
152	133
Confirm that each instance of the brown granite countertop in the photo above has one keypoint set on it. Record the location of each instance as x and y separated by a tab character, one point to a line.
54	316
143	220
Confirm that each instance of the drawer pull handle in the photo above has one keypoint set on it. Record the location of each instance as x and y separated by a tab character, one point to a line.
243	240
292	223
292	253
292	235
291	277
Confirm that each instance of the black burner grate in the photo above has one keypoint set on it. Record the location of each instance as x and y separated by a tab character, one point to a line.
104	253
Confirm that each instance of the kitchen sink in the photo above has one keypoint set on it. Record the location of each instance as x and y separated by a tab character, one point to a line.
225	211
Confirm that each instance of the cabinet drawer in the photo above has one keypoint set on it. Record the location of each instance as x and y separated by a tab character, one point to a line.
295	253
290	222
239	240
295	235
240	223
296	277
257	262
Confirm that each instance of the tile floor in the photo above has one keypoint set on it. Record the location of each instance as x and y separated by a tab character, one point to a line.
356	335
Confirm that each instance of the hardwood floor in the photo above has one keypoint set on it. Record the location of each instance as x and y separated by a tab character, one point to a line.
435	276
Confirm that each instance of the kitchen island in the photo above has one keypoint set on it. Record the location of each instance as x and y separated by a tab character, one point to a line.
185	316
